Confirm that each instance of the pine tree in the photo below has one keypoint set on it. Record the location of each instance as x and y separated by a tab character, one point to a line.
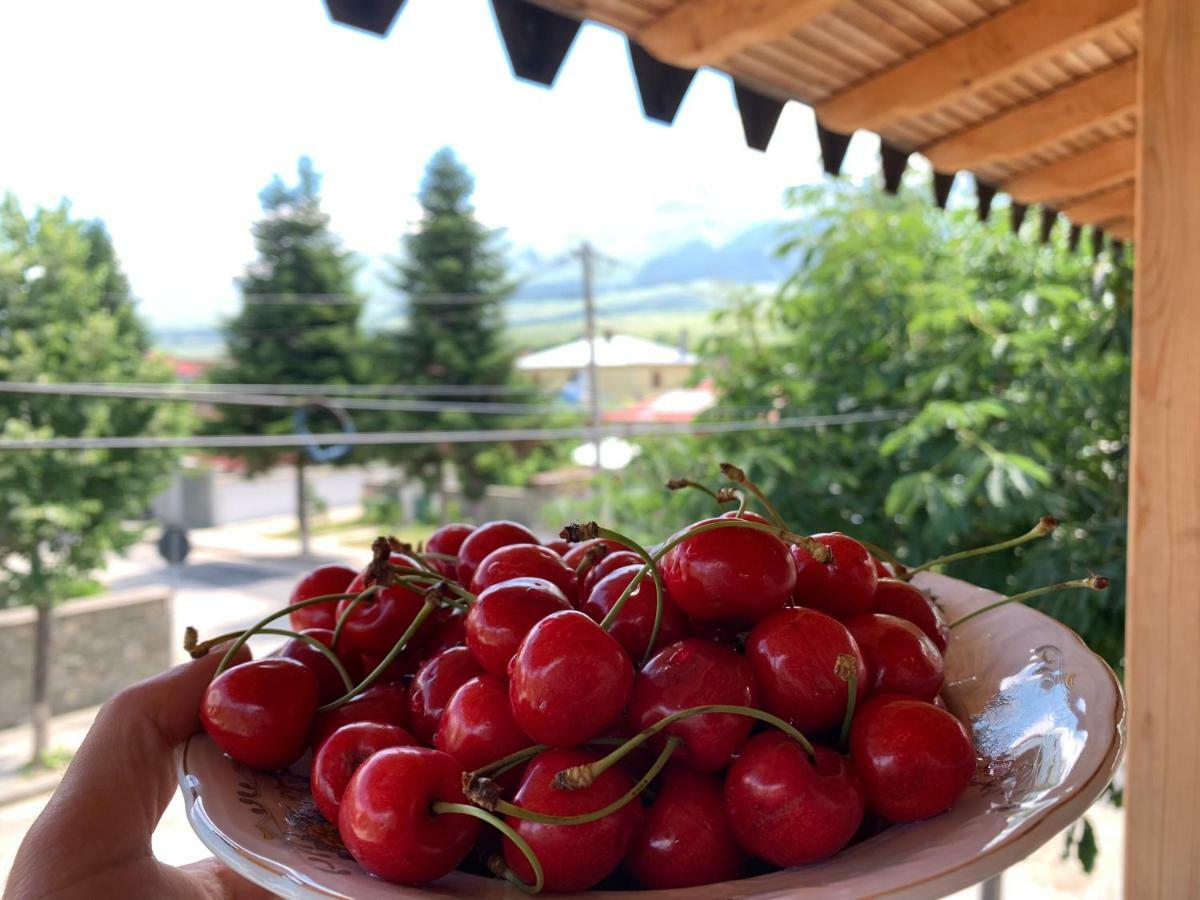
66	315
299	318
454	277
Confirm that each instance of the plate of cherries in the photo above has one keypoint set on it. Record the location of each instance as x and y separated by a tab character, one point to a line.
738	711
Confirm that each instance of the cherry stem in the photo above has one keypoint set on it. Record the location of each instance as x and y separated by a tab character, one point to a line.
410	578
898	568
1092	582
846	668
397	648
202	649
582	776
721	497
529	815
443	807
264	622
739	477
1044	526
502	765
648	560
591	556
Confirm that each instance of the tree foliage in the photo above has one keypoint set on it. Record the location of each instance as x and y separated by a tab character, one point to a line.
299	318
454	278
66	315
1008	361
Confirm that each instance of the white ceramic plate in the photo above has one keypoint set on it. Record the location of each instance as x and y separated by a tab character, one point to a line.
1047	716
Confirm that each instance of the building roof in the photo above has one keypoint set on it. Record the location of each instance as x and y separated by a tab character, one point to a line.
675	405
612	351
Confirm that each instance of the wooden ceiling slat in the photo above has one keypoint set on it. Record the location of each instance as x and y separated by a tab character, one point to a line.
1092	170
706	32
864	53
992	51
793	73
1102	207
900	17
815	52
940	16
1109	93
852	22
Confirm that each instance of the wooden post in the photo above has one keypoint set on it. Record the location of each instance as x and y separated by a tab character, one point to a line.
1162	829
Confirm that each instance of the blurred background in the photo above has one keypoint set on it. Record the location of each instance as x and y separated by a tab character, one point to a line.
260	306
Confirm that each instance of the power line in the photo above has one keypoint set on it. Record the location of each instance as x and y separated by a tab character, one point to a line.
438	437
419	390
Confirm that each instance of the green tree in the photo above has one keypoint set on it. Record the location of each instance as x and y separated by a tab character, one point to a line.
1008	360
454	277
299	318
66	315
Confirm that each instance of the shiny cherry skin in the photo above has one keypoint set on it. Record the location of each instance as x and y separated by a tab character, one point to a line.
503	614
573	857
617	559
729	574
448	539
559	546
488	537
899	658
785	809
328	579
329	684
569	680
793	655
435	683
477	727
525	561
340	756
695	672
907	601
376	624
385	703
882	569
635	621
575	555
259	712
843	587
449	630
387	820
685	838
915	758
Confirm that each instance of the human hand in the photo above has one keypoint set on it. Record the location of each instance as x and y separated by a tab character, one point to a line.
93	838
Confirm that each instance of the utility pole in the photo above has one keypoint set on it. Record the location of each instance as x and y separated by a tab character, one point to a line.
587	256
302	502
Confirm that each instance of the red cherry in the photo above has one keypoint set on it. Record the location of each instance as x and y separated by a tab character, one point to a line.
689	673
525	561
477	727
914	758
635	621
575	555
377	623
843	587
729	574
793	655
503	614
448	540
573	857
387	820
488	537
449	630
685	838
329	683
618	559
259	712
569	680
436	681
384	703
328	579
882	569
899	658
341	755
785	809
559	546
907	601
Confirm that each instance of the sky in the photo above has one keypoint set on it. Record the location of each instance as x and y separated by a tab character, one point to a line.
166	119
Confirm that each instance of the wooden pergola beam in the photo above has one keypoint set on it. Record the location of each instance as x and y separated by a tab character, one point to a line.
705	32
1084	104
1092	170
1102	207
1122	229
1162	788
992	51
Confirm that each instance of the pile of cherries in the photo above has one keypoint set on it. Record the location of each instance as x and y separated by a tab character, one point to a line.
740	698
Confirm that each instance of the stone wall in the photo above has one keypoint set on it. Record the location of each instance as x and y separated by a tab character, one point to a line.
101	644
